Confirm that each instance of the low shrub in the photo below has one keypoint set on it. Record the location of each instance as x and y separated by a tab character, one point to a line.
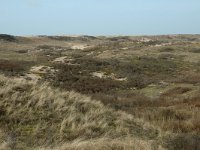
12	67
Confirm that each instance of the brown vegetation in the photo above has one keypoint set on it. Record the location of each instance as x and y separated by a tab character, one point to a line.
115	93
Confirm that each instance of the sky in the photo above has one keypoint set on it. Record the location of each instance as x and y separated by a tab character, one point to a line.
99	17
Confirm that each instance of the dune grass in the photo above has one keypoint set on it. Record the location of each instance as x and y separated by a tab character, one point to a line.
38	116
156	107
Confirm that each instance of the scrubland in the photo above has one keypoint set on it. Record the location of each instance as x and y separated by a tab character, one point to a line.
84	92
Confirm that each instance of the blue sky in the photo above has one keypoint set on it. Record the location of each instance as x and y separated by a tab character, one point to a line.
99	17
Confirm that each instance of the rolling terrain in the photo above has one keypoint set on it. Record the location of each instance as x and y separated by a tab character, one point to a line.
94	93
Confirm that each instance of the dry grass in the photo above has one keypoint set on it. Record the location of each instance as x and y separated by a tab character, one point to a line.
160	97
37	115
105	144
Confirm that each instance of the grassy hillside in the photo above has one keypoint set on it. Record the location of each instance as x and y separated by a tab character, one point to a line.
40	116
100	92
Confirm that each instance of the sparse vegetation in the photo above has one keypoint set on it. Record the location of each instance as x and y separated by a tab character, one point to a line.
14	68
195	50
80	93
8	38
38	115
167	49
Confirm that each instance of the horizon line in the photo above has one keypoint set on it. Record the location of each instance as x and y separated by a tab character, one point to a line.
100	35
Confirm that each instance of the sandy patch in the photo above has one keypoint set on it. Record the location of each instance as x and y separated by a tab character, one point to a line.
145	40
111	76
65	60
99	74
164	44
91	53
33	77
60	59
35	74
41	69
80	47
